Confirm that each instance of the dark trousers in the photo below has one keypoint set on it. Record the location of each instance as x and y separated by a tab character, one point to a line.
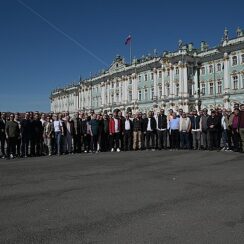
25	140
236	140
94	139
127	140
77	143
114	140
175	139
184	140
11	148
2	141
18	143
122	141
105	142
150	136
162	139
87	142
213	139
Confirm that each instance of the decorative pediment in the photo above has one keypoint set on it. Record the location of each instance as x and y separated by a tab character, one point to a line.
117	64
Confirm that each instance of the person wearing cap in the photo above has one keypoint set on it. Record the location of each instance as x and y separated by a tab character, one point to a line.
212	123
241	127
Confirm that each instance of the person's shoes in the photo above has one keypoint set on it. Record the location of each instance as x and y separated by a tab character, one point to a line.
153	150
112	150
118	150
85	151
11	156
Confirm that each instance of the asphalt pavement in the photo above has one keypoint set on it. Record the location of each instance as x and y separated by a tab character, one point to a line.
127	197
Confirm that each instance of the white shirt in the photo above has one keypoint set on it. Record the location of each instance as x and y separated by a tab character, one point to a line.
57	125
116	125
127	125
149	125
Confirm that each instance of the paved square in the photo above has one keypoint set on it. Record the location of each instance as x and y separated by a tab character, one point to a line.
132	197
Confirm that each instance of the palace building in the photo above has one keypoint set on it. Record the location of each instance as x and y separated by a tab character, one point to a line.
186	78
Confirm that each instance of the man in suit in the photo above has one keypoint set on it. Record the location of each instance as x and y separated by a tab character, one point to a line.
127	128
150	125
161	120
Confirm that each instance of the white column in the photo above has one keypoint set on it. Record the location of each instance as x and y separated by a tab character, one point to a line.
171	95
181	81
185	81
155	83
120	91
226	73
163	83
196	87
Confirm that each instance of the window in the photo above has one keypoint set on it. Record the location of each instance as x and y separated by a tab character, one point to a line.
167	89
176	70
152	93
160	91
203	89
203	70
130	81
218	67
130	96
145	94
117	84
242	81
139	95
177	89
234	60
168	72
242	58
160	74
211	88
210	69
235	82
112	85
219	87
139	78
145	77
112	98
151	76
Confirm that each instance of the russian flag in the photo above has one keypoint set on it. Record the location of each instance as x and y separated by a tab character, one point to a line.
128	40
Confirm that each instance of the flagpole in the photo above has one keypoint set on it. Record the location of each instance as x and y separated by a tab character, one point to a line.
130	51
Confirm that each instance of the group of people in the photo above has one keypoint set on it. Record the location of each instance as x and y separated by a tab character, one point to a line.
54	134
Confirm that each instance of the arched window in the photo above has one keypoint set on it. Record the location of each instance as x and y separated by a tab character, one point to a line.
160	74
218	67
176	70
210	69
211	88
167	89
203	70
145	94
203	89
219	87
234	60
242	58
139	95
235	82
177	89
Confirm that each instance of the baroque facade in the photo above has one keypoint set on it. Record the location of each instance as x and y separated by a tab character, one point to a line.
186	78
